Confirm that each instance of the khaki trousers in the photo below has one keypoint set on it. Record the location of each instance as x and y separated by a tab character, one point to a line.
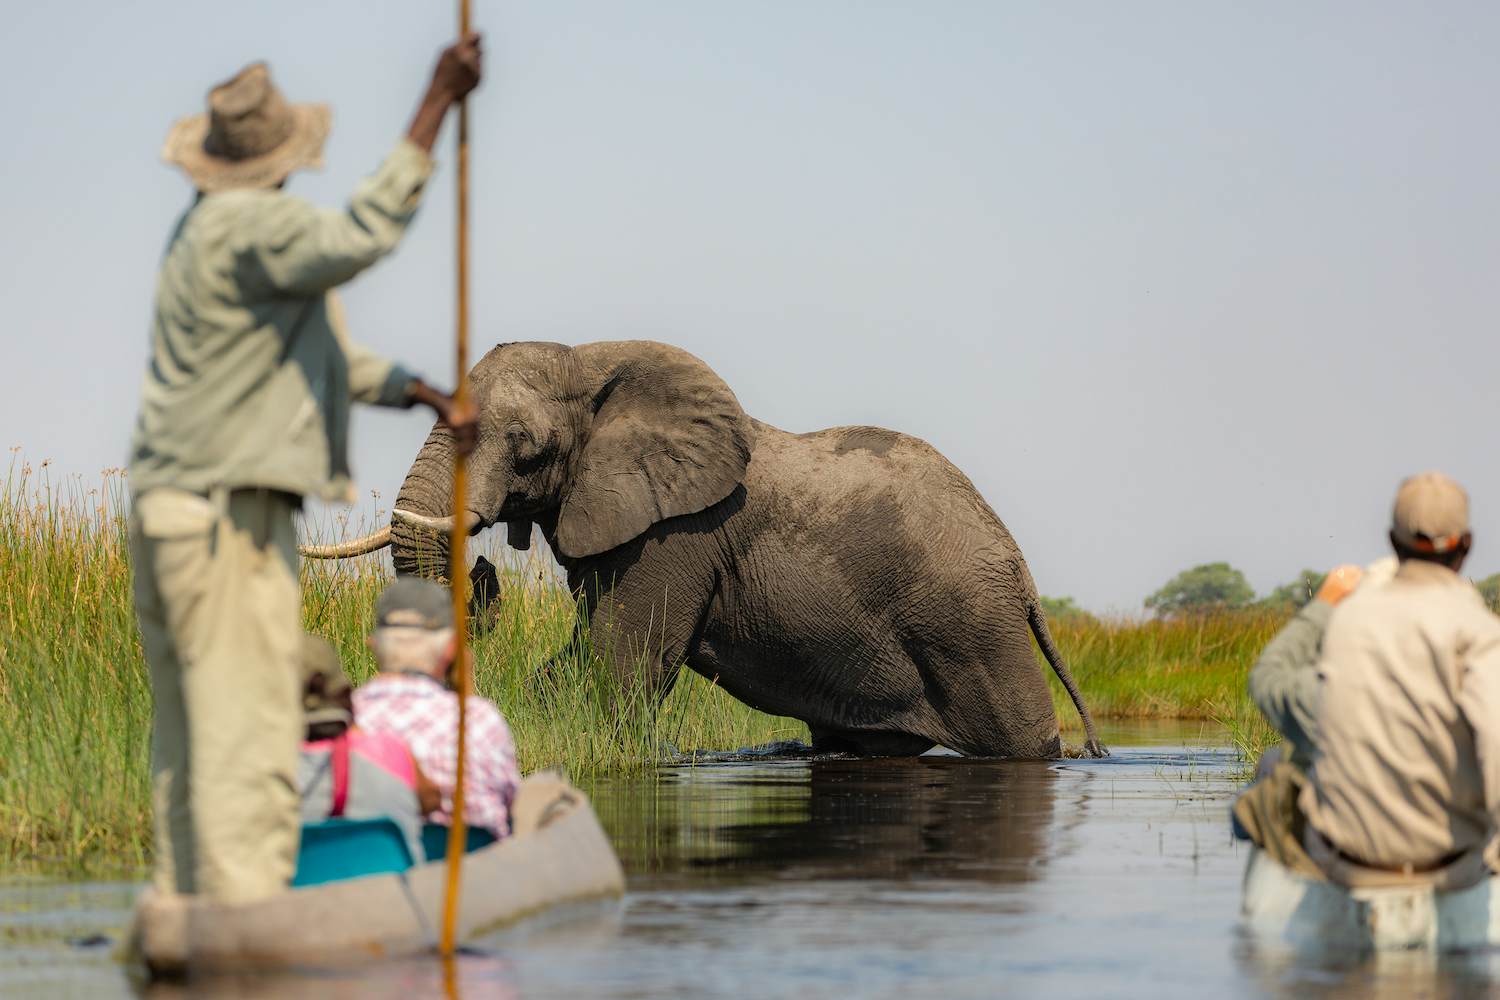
216	596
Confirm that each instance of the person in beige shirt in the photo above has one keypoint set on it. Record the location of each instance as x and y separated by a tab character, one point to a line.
1406	763
244	411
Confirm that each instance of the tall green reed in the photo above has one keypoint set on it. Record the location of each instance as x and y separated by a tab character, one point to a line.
74	694
1194	667
74	748
76	705
1180	668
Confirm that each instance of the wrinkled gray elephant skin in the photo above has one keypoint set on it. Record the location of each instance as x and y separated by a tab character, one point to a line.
850	577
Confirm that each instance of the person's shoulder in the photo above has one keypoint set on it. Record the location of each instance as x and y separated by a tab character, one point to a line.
1449	606
265	214
382	687
376	684
485	711
246	202
1472	605
1375	610
482	706
382	739
1361	605
218	220
389	750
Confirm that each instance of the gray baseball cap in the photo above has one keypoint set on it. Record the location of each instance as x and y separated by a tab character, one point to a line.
1431	513
412	601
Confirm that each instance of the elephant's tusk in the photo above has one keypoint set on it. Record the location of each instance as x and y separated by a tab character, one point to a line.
354	547
441	525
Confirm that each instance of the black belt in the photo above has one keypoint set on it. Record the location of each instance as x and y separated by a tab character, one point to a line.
294	498
1409	869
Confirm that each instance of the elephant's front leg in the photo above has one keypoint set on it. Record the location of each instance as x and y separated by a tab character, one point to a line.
642	620
484	593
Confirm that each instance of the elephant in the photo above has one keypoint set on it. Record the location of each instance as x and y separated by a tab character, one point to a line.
851	577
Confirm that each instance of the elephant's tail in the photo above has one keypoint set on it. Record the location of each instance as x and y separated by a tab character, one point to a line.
1038	620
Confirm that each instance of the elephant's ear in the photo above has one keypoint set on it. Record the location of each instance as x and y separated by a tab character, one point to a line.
667	438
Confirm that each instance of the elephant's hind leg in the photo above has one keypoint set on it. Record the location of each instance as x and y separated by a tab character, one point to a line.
992	698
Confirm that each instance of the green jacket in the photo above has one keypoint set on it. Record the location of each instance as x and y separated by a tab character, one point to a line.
1284	681
251	370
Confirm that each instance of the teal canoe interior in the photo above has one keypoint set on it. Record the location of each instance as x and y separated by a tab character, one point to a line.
337	849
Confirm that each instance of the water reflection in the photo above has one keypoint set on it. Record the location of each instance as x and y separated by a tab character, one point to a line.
836	878
917	818
1382	976
470	975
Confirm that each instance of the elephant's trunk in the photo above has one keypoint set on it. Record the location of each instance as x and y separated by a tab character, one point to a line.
426	494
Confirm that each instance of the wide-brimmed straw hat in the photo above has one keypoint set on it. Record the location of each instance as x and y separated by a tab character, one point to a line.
250	137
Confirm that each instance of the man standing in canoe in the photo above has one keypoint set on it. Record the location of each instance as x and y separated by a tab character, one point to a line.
245	411
1394	697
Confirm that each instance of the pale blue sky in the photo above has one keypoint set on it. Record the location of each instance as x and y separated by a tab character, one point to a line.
1172	282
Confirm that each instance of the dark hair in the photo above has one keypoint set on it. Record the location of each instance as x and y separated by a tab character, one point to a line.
1452	559
326	730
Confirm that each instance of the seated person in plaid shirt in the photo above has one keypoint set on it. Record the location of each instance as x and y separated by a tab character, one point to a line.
413	642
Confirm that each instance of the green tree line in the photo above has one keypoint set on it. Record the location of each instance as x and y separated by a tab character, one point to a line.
1218	586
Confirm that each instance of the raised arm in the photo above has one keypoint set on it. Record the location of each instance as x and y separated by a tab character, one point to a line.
380	382
1284	681
295	248
457	73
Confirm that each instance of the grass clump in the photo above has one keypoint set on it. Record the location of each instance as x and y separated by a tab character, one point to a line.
1190	667
74	755
74	694
565	705
76	704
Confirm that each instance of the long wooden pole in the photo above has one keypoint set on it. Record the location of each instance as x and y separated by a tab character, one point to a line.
456	541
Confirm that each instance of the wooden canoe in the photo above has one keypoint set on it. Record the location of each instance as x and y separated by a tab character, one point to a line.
1280	905
557	854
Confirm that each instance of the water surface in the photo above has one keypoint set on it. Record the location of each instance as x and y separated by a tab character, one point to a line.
812	878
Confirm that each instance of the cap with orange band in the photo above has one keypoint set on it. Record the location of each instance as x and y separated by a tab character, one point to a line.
1431	513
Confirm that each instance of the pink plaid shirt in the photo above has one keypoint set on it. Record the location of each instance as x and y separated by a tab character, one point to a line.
425	714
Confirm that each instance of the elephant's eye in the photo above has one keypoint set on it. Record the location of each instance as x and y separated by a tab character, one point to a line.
524	451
